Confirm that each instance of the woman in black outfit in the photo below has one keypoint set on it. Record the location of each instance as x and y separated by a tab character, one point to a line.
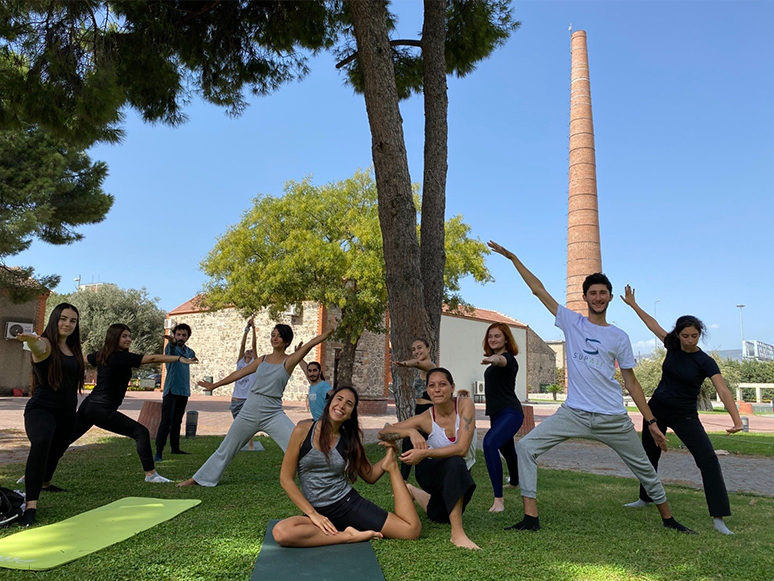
502	406
674	406
49	417
114	363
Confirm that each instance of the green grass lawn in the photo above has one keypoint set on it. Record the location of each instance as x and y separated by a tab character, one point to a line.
744	443
586	534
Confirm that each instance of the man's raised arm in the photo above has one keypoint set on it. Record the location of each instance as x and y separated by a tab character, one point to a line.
532	281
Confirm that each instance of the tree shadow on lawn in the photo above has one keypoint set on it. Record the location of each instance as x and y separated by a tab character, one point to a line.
587	534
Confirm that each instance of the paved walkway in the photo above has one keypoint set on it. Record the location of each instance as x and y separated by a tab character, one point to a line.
742	474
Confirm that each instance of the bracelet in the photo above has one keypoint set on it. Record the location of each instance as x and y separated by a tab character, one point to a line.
651	422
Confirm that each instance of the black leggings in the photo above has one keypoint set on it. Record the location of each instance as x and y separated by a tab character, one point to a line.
172	412
405	469
50	434
688	428
105	417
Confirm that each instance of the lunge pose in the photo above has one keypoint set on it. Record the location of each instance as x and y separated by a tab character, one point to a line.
177	390
594	408
242	385
421	361
328	455
674	404
114	363
49	416
502	406
443	461
263	408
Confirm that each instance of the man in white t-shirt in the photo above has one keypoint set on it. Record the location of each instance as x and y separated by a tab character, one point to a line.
594	408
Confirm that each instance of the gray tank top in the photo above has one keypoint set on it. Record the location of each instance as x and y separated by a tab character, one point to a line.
270	379
420	385
323	482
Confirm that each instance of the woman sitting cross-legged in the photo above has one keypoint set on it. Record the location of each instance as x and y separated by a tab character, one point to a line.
328	456
443	461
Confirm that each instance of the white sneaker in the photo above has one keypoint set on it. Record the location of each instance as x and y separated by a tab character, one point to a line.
157	478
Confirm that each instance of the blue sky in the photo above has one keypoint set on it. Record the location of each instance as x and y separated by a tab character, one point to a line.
683	96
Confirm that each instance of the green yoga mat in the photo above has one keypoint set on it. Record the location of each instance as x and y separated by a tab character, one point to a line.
40	548
331	563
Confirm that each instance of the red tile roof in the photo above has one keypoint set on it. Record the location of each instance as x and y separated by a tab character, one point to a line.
190	306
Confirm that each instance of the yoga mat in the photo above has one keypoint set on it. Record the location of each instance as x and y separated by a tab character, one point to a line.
40	548
331	563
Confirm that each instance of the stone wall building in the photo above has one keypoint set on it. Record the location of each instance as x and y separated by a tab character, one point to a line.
216	337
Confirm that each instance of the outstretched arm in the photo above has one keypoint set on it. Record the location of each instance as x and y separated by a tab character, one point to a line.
532	281
153	358
38	346
244	339
233	376
303	350
728	401
635	390
649	321
408	429
423	364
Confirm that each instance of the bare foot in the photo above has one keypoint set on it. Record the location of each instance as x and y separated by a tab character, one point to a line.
464	542
389	462
420	496
357	536
189	482
498	506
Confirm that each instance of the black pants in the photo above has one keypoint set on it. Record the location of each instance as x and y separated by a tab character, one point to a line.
688	428
405	469
172	412
50	434
106	417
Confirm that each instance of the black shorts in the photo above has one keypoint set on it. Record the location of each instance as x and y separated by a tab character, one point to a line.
354	511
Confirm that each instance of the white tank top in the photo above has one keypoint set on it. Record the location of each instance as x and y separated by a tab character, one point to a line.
439	439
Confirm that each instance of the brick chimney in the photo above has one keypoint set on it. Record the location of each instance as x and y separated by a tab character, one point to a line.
583	250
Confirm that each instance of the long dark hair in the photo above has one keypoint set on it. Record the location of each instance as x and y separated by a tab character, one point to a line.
51	333
112	337
350	434
672	340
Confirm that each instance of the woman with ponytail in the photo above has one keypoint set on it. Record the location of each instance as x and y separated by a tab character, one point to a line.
328	455
49	416
674	405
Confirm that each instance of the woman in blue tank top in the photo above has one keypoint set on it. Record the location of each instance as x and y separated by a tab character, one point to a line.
328	456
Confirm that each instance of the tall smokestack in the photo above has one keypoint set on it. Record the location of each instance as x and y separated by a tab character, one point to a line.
583	251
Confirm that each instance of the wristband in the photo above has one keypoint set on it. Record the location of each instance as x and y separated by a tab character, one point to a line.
651	422
247	329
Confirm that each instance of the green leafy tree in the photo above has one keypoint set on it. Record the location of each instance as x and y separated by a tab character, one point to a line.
106	304
324	244
47	189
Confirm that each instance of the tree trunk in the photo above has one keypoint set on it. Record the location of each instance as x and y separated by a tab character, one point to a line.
436	101
346	363
397	214
705	402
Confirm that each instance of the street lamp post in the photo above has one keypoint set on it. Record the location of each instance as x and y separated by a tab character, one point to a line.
741	327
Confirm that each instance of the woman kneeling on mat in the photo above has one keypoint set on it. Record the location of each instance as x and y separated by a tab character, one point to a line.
443	461
328	455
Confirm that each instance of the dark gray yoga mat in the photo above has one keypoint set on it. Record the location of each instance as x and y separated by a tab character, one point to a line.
320	563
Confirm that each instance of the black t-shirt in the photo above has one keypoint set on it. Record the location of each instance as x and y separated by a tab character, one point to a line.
681	377
500	386
62	400
113	378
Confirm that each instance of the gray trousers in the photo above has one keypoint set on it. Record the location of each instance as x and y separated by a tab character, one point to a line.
259	414
616	431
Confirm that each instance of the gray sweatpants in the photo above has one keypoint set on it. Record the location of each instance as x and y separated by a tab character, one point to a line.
616	431
258	414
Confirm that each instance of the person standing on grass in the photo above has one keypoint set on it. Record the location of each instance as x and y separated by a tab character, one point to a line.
242	385
114	363
328	455
263	409
420	350
594	408
442	462
49	416
502	406
177	390
674	403
319	388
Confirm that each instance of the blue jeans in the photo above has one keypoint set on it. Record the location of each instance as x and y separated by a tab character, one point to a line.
499	440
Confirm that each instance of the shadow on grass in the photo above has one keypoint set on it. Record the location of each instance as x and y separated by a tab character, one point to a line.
586	534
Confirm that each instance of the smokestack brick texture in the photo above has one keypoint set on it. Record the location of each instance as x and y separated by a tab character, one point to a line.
584	255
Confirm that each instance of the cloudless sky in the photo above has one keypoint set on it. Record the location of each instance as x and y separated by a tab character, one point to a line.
683	97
